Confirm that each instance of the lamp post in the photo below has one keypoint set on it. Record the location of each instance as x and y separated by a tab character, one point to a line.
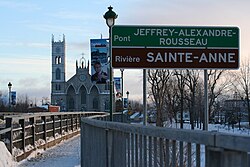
110	17
128	102
9	86
122	88
127	95
122	93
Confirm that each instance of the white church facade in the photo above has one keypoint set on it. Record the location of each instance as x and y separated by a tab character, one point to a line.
78	93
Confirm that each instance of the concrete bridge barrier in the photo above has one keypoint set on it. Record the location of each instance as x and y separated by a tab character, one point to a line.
114	144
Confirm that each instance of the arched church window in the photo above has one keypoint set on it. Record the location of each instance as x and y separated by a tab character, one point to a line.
83	97
59	60
58	74
58	87
95	103
71	103
56	60
71	99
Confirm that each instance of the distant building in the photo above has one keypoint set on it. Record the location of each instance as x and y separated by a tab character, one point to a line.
186	117
79	93
236	107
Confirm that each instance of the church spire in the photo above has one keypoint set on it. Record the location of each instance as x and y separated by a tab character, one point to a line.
88	65
52	39
76	66
63	38
83	61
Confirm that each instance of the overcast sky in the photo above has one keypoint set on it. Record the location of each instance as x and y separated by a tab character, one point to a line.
27	27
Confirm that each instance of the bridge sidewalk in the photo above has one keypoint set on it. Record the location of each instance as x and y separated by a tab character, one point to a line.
65	154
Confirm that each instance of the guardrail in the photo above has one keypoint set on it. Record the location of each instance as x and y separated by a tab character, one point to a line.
114	144
27	132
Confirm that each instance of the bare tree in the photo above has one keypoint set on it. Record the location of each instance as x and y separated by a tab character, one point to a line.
45	100
172	99
192	83
158	86
200	105
181	77
3	104
22	103
137	106
217	84
242	79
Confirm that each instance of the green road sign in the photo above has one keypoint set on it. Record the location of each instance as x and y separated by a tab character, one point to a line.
175	36
175	47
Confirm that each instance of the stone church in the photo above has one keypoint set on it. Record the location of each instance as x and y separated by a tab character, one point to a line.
79	93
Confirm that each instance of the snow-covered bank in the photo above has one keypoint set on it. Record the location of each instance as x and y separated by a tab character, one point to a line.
6	159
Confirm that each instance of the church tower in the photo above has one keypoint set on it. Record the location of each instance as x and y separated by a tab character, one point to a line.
58	70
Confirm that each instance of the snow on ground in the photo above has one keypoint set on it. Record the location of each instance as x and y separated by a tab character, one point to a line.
67	153
6	159
243	131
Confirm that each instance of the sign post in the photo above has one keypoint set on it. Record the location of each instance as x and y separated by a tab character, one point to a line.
176	47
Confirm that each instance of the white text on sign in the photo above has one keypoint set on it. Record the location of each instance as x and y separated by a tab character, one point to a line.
122	39
190	58
184	32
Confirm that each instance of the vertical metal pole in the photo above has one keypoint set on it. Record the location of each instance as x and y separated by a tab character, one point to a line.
122	94
144	97
9	99
205	126
122	87
127	99
111	78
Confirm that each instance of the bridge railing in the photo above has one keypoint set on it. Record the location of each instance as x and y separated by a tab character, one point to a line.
113	144
24	133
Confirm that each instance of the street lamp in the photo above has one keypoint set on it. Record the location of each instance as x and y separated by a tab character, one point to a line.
122	92
127	94
9	86
122	88
110	17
